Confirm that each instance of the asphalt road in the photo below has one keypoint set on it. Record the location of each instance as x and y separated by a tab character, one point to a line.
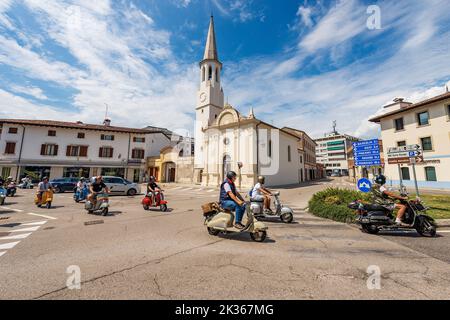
137	254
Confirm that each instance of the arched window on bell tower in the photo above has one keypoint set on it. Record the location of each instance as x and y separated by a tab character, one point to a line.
203	74
217	74
209	73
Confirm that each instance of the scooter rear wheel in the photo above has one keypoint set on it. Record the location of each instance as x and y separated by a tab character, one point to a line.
213	232
258	236
370	229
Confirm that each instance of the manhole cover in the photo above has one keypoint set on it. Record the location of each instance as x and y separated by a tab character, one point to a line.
88	223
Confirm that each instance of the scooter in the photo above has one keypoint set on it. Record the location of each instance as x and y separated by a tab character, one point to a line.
80	195
46	199
26	185
374	218
101	205
286	214
2	196
159	201
219	220
11	189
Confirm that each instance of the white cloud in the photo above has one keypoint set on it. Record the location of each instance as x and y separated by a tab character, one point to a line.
305	14
343	22
30	91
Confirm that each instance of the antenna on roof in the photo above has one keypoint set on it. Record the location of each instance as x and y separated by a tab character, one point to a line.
107	120
334	126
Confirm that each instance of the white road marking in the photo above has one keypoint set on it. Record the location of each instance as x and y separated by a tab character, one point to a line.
177	188
187	189
2	253
444	231
42	215
18	236
37	223
8	245
16	210
210	190
26	229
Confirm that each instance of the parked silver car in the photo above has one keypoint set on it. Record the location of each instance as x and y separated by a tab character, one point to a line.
120	186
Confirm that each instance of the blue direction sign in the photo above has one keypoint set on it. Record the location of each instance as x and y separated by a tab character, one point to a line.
367	153
364	185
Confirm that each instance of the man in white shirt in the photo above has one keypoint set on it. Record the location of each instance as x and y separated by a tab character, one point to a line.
381	180
259	193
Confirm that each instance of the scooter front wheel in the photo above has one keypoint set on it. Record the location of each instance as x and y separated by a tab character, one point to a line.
258	236
287	217
105	211
163	207
49	205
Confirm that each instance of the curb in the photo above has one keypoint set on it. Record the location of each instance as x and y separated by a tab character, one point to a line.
443	223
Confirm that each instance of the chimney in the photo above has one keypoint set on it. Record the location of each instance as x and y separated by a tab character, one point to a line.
79	122
398	103
107	122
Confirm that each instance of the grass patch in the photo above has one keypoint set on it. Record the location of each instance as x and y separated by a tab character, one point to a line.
331	203
439	205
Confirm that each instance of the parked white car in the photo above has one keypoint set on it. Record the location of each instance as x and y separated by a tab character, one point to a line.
120	186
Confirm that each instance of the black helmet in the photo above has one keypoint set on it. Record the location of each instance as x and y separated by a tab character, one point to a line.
380	179
231	174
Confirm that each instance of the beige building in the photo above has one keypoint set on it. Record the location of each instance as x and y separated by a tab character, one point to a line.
174	164
307	148
426	123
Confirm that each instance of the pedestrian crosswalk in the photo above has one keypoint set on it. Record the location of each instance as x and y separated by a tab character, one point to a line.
12	232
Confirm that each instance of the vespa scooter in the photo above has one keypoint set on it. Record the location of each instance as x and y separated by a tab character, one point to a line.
219	220
147	202
286	214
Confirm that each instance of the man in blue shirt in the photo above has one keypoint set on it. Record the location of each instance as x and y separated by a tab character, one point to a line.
230	199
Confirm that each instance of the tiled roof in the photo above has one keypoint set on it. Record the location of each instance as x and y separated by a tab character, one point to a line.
412	106
78	125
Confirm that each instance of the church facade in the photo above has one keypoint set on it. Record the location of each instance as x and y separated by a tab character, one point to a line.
228	140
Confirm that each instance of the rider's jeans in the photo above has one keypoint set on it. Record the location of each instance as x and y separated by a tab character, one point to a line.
233	206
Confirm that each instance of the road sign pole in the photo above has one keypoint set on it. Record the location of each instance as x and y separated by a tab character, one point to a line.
415	180
400	175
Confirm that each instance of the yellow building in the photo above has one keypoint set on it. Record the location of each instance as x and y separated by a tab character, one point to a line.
426	123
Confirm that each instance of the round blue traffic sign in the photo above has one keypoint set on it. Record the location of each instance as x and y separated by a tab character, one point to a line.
364	185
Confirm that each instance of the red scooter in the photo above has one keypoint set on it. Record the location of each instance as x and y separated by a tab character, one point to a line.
159	201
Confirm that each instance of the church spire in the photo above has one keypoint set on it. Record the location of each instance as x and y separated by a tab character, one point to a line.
211	47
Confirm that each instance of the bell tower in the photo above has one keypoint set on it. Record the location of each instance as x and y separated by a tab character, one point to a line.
210	97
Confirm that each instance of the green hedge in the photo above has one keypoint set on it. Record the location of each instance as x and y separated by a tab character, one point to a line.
332	204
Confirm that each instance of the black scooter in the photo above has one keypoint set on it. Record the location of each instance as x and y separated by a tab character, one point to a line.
374	218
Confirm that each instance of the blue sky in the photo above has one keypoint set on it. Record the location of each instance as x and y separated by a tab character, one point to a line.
298	63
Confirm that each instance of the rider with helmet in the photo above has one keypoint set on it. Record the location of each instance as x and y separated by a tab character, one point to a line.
260	193
230	199
152	188
385	194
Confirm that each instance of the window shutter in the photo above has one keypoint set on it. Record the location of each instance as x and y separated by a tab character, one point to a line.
43	150
100	152
111	150
83	151
55	150
68	151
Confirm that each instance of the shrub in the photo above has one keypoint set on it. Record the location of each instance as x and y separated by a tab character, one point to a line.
331	203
